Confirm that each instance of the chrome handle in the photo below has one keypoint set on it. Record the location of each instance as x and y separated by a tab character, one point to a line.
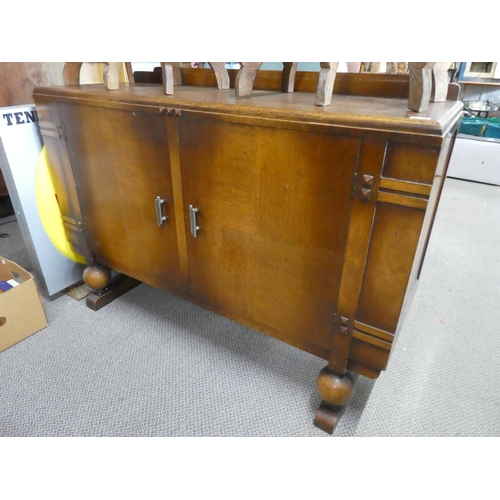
160	218
192	220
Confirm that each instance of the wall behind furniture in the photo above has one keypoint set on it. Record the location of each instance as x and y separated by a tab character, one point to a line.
20	78
481	93
18	81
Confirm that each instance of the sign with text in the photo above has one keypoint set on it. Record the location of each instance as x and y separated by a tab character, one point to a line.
20	147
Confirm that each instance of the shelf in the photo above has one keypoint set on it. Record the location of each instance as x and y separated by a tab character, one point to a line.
480	82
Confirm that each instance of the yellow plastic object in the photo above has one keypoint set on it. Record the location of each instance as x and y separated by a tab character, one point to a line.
48	207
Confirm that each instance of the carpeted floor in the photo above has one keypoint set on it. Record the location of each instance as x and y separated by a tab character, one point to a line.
150	364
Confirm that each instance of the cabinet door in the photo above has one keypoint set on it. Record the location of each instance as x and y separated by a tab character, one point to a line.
120	161
273	210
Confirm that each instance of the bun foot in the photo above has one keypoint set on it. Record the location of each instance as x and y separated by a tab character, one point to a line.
336	391
97	277
105	289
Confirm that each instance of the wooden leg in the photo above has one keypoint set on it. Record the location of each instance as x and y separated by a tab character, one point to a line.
440	81
221	75
168	78
420	85
171	75
326	80
130	72
71	73
105	289
336	391
245	78
112	75
288	76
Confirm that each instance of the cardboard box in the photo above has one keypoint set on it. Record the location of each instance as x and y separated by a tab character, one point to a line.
21	309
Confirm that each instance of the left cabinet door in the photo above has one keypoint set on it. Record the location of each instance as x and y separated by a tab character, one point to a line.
120	163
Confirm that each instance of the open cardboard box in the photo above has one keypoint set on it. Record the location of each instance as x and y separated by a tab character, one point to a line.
21	309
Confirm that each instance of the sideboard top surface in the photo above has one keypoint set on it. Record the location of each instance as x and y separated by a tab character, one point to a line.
377	113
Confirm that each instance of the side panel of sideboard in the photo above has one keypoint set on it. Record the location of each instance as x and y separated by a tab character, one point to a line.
399	205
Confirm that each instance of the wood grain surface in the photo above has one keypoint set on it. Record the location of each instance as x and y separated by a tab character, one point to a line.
312	222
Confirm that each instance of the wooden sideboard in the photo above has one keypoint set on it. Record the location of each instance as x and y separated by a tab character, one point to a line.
307	224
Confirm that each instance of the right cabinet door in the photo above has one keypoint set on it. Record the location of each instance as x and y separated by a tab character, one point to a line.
272	208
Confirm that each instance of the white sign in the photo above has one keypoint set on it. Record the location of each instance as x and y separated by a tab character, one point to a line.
20	146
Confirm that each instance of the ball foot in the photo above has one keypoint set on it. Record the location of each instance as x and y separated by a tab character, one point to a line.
336	391
97	277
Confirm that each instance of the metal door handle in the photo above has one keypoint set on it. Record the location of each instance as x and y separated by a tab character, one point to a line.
160	218
192	220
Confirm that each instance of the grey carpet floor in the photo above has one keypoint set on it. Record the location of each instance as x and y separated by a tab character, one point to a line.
150	364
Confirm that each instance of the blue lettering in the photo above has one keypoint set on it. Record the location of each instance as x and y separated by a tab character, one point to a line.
8	117
31	116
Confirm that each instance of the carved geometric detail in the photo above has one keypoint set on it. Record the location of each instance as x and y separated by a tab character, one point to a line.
367	180
61	132
171	112
365	194
344	325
